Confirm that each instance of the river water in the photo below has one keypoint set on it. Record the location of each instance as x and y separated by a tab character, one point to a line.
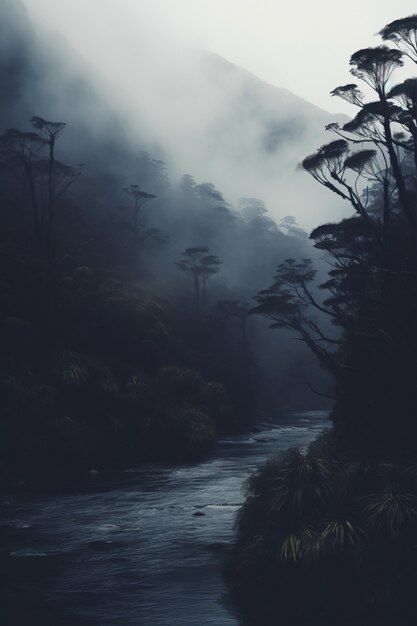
138	548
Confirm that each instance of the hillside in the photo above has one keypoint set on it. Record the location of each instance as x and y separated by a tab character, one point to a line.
201	114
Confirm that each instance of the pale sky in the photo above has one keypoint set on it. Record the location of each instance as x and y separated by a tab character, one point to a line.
301	45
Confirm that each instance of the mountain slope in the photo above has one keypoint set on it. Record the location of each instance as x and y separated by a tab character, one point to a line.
201	114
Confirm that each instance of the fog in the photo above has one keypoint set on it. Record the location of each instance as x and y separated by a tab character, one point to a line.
201	114
282	43
148	98
162	69
178	294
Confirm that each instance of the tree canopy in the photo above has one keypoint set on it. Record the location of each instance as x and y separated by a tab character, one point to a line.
371	289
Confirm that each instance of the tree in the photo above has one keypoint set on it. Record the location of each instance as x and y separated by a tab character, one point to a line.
200	265
24	150
403	33
287	304
371	290
208	192
349	499
139	198
252	208
290	226
59	176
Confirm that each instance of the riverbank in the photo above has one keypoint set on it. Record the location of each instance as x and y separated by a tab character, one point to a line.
144	546
327	533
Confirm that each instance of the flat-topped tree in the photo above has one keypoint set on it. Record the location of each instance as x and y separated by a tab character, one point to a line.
45	177
208	192
374	254
139	197
348	500
59	177
405	94
290	226
200	265
375	66
375	123
287	303
403	33
50	133
370	293
350	92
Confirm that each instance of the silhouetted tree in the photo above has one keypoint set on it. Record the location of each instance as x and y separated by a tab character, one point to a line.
403	33
24	149
287	304
200	265
139	198
50	133
290	226
208	191
372	286
349	500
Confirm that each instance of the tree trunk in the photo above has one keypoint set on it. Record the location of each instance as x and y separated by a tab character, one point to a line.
396	169
31	184
50	215
197	294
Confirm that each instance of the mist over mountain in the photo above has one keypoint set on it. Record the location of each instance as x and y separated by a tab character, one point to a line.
147	196
249	137
201	114
148	117
193	274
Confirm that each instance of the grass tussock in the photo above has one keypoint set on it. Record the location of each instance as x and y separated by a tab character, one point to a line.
318	536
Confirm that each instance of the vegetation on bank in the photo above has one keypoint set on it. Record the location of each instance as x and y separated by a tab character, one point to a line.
98	372
330	532
118	344
90	379
326	533
125	332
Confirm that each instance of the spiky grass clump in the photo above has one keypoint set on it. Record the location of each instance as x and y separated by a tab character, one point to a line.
327	533
136	383
393	513
298	546
296	487
304	486
107	384
338	536
71	370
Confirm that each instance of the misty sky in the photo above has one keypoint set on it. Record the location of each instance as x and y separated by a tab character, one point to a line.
144	59
300	44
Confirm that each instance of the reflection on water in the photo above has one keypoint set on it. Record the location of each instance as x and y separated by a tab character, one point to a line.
142	548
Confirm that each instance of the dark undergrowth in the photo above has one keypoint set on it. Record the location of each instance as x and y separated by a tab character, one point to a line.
325	534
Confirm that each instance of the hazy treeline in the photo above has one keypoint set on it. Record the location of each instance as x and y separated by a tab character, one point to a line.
125	313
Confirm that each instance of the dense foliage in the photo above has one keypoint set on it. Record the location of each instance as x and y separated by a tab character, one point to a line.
124	328
371	291
331	529
324	534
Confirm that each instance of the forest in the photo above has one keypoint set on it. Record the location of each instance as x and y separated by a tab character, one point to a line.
329	530
125	316
145	318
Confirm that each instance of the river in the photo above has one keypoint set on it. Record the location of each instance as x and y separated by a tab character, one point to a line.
142	547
